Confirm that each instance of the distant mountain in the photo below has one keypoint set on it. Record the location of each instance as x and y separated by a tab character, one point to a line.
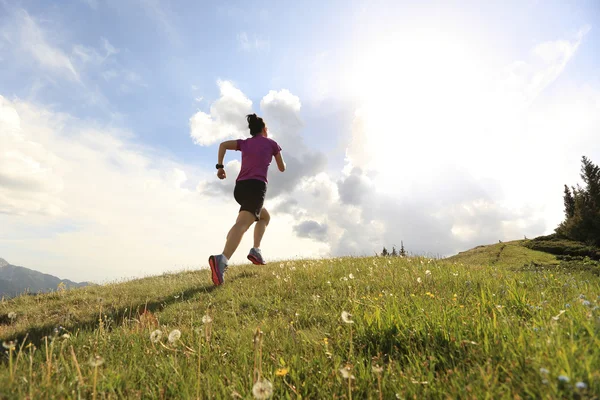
16	280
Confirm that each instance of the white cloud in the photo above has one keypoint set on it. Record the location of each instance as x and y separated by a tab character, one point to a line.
91	55
227	117
29	183
155	9
526	80
122	210
92	3
447	161
31	38
254	43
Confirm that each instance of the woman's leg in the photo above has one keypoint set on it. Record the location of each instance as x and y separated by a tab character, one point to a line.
244	220
260	227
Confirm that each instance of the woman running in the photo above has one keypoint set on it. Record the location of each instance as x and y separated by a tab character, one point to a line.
250	190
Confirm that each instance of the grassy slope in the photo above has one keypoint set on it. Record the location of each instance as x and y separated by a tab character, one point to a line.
472	327
508	254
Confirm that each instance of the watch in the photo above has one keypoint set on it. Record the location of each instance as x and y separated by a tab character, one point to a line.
219	166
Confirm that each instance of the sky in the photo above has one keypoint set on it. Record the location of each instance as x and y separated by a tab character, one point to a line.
442	125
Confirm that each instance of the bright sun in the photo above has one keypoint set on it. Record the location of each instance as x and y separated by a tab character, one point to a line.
416	91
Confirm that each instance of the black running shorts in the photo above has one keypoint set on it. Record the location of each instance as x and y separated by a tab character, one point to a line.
250	194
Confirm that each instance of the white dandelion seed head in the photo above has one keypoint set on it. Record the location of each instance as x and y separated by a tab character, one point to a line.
544	371
377	369
66	336
12	315
206	319
428	272
155	336
174	335
96	361
262	389
346	317
581	385
419	280
557	316
563	378
346	372
351	276
10	345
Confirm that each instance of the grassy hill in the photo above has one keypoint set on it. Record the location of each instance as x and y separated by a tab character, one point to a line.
476	325
508	254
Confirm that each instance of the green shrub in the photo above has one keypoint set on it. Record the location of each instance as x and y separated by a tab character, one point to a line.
560	246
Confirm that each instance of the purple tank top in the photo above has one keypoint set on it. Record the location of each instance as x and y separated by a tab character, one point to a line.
257	153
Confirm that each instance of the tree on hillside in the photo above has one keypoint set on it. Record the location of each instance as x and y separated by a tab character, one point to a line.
582	207
384	252
402	251
394	252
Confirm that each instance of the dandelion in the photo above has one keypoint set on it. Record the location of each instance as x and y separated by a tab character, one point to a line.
174	335
351	276
586	303
262	389
11	345
544	371
567	305
581	385
66	336
346	372
557	316
346	317
563	378
419	280
428	272
96	361
206	319
282	371
156	336
12	315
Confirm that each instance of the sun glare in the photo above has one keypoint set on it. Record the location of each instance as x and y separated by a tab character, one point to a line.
417	91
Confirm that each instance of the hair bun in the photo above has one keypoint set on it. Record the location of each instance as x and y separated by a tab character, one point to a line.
255	123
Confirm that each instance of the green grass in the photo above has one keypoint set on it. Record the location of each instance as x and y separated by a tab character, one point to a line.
507	254
474	326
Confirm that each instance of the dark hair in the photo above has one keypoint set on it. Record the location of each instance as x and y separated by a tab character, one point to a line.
255	123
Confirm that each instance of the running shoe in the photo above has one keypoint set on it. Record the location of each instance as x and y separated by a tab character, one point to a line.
256	257
218	268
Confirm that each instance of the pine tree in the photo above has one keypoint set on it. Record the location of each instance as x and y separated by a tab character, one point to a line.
569	201
582	207
384	252
402	251
394	252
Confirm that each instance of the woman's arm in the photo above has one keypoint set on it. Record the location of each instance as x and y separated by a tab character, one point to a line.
223	147
280	162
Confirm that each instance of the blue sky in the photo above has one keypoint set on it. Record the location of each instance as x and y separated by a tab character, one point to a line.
389	110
